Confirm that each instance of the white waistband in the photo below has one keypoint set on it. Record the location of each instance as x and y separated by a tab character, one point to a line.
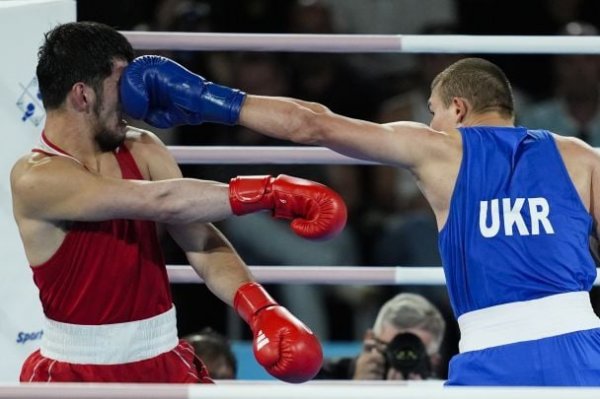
110	343
525	321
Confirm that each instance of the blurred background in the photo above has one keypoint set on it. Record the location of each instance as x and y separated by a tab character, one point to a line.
389	221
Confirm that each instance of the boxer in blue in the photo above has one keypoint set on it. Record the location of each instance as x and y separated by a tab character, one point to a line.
515	208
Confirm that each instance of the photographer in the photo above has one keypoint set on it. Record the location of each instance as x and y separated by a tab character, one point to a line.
404	344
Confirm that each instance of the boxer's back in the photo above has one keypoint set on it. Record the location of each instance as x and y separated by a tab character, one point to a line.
517	228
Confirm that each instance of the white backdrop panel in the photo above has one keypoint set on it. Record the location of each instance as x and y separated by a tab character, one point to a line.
22	27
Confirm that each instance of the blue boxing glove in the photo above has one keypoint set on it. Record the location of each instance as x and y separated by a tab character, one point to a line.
165	94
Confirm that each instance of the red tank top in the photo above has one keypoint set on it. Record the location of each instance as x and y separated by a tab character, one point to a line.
105	272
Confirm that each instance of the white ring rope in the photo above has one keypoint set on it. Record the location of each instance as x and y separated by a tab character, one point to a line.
365	275
261	155
278	390
335	43
358	275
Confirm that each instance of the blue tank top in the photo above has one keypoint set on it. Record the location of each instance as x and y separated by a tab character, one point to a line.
517	229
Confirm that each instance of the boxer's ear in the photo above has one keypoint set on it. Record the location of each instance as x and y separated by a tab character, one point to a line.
81	97
461	108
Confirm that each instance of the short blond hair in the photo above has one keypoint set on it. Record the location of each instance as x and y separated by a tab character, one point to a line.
482	83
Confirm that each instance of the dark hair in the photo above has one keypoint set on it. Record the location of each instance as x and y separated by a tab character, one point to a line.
209	345
78	52
480	82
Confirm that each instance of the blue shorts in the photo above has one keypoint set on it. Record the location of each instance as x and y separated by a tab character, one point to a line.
565	360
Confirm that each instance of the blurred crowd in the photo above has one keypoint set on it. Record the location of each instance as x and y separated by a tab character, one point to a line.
389	221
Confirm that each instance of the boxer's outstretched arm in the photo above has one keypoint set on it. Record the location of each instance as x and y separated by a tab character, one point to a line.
60	190
164	94
57	189
407	144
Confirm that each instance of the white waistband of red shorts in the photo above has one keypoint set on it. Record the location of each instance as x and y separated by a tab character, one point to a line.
117	343
526	321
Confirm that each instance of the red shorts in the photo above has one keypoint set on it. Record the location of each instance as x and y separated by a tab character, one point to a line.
179	365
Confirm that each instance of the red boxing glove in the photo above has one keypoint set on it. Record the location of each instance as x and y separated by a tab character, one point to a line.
317	211
283	345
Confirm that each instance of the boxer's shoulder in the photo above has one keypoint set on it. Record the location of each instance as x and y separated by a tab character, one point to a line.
143	142
149	152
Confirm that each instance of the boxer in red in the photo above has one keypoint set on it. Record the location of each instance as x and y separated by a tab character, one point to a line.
87	200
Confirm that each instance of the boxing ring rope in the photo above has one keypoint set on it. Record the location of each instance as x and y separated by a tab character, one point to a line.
265	155
336	43
278	390
357	275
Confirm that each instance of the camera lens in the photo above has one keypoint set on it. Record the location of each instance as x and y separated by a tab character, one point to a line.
407	354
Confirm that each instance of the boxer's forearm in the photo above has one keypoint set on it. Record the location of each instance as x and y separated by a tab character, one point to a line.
223	272
283	118
213	258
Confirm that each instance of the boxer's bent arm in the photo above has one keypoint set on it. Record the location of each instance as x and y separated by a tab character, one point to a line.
59	190
407	144
207	250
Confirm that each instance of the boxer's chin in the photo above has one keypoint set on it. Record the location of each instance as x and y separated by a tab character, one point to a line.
109	140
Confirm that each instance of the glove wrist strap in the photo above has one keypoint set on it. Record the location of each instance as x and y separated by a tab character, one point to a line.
250	298
222	104
248	194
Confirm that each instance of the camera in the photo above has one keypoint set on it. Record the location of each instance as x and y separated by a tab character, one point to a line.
407	354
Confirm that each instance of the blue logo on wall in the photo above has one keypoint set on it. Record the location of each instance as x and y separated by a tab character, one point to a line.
30	103
23	336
